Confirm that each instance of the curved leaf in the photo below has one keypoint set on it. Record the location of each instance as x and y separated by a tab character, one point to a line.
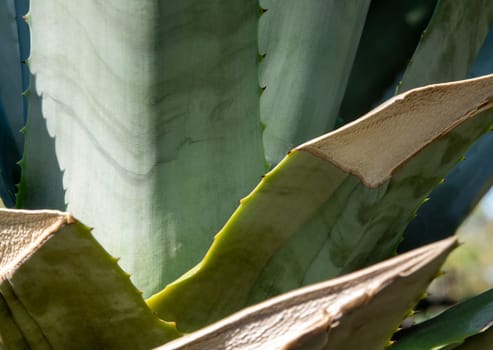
61	290
331	315
450	327
309	48
11	102
391	33
41	183
451	202
366	188
449	44
154	112
480	341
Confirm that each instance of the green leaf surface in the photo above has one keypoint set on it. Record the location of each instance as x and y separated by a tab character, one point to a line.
450	43
59	289
481	341
451	202
348	195
451	326
360	226
309	48
154	110
11	73
339	314
391	33
41	183
11	102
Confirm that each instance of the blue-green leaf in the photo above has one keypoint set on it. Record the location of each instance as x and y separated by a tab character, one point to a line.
391	33
347	196
451	202
11	100
450	327
154	110
450	43
309	47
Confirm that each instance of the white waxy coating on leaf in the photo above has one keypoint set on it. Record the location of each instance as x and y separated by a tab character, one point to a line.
154	111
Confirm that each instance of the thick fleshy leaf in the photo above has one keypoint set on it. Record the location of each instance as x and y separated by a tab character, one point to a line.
309	48
155	114
346	196
391	33
481	341
11	101
338	314
59	289
451	202
450	327
41	183
450	43
484	61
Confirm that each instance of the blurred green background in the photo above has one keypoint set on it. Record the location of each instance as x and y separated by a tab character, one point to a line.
469	270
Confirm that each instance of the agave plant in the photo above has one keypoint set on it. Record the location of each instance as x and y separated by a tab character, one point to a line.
150	121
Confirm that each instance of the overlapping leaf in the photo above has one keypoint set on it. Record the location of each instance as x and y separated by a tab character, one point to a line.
452	201
391	33
11	101
450	327
366	179
59	289
154	114
450	43
309	48
332	315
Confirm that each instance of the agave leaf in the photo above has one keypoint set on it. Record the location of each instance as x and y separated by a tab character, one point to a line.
11	102
451	202
451	326
450	43
59	289
138	102
391	33
309	48
365	179
332	315
322	249
297	263
41	183
481	341
483	64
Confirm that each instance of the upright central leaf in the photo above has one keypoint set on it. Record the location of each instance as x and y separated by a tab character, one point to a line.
154	109
309	48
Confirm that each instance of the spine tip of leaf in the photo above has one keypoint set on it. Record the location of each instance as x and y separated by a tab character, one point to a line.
27	18
261	90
